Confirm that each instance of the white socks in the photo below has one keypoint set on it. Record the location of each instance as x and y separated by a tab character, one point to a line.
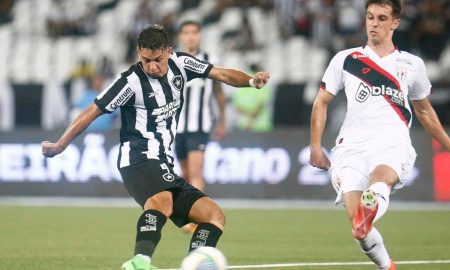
145	257
382	191
373	247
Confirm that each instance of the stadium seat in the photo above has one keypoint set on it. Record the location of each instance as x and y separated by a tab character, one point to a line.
318	58
231	20
297	49
41	65
125	11
433	70
20	56
62	58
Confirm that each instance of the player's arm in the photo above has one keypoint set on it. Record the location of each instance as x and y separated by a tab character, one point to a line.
430	121
318	119
75	128
238	78
221	101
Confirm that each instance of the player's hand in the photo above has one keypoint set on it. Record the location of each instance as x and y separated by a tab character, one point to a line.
51	149
319	160
220	131
260	79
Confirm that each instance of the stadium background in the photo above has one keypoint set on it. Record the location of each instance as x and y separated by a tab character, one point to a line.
51	50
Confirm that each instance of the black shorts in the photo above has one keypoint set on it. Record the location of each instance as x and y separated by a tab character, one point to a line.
190	141
147	178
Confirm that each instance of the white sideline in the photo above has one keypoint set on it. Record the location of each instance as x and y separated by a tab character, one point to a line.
225	203
287	265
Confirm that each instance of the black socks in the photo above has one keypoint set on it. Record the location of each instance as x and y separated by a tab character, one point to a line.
206	234
149	228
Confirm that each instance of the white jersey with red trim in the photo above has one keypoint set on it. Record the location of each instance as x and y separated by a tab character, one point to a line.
377	91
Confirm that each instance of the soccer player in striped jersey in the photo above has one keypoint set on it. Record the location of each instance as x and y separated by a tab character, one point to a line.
373	152
197	116
150	98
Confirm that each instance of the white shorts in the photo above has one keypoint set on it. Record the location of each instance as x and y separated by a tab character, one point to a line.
352	163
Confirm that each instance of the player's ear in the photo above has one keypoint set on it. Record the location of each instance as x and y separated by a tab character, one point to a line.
170	50
395	24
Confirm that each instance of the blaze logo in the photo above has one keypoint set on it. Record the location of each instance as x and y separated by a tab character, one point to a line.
363	93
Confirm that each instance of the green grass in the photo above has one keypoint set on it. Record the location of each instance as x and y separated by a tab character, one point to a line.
103	238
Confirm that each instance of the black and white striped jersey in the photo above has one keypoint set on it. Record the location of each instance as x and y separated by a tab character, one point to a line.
197	114
150	107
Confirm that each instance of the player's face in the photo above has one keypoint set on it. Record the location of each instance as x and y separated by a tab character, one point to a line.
189	37
155	62
380	23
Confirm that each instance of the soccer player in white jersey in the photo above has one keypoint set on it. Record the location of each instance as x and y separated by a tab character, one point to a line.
373	152
197	119
150	98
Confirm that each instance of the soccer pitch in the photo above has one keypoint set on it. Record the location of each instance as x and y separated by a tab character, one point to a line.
103	238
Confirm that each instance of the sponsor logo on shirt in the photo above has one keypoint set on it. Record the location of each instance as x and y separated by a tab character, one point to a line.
364	91
194	65
356	56
166	111
121	99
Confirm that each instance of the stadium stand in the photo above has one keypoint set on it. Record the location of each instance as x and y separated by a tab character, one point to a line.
42	41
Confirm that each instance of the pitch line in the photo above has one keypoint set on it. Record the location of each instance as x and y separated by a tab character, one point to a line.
286	265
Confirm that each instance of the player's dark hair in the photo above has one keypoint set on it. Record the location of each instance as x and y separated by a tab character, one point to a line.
153	37
189	22
395	4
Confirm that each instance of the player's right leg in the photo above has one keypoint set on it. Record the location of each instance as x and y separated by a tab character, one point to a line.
211	222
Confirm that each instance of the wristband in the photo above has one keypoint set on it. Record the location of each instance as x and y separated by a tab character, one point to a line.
251	83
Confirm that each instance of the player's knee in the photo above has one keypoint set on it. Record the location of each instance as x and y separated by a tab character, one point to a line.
160	202
218	218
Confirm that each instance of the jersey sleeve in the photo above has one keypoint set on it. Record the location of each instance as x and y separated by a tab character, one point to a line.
115	95
194	67
332	80
421	87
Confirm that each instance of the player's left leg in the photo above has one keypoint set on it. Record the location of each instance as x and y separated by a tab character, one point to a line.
211	222
372	244
371	206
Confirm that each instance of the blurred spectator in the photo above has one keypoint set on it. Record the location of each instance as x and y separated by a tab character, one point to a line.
189	4
242	39
106	68
65	20
5	11
253	107
219	8
430	33
143	17
323	21
150	12
350	22
403	34
83	70
104	123
301	16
